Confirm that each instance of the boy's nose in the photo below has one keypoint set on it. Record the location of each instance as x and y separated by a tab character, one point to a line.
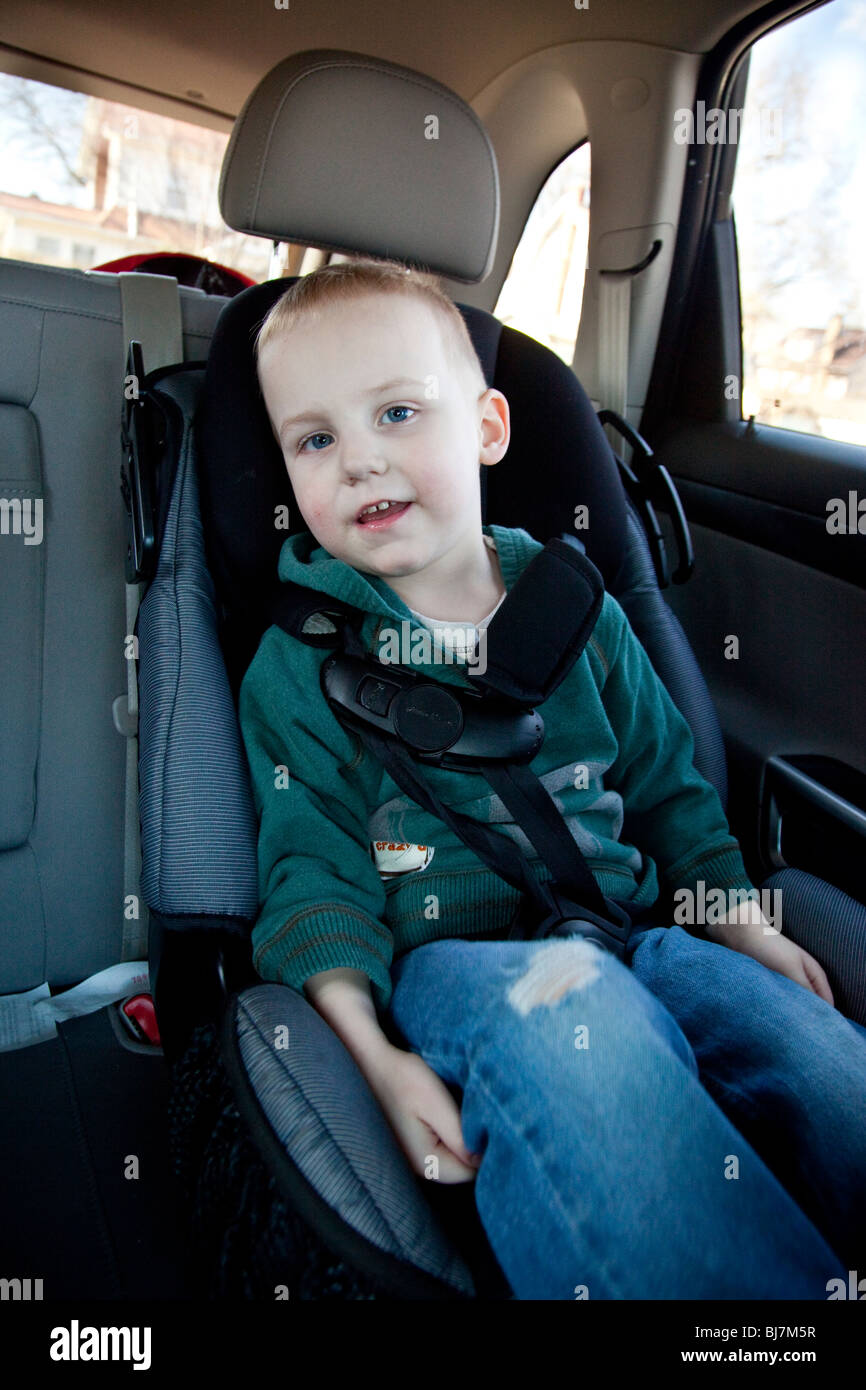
360	457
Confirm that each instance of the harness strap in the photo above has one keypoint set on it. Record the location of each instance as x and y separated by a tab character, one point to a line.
151	311
573	902
542	627
500	853
530	656
520	791
546	909
535	811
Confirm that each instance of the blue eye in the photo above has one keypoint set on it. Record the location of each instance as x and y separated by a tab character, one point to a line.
391	410
313	438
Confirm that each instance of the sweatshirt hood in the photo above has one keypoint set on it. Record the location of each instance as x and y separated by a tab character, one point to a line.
303	561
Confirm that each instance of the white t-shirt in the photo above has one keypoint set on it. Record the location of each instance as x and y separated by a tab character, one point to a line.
457	637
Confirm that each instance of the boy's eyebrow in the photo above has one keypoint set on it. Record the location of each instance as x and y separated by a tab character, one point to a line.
389	385
373	391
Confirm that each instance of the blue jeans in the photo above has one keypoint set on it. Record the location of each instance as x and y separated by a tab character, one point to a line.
689	1125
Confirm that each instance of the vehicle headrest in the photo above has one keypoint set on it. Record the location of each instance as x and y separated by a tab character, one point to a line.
350	153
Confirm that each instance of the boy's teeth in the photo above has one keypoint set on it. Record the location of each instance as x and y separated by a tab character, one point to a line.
376	507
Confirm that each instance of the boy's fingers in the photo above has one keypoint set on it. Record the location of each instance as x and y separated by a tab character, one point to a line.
448	1138
451	1168
817	978
444	1120
453	1143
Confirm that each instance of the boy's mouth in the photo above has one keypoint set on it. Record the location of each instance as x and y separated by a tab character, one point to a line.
382	513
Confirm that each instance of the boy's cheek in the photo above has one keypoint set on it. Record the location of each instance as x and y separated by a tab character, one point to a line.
309	499
315	516
437	475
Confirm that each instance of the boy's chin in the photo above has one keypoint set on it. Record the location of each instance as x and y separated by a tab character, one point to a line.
392	560
385	570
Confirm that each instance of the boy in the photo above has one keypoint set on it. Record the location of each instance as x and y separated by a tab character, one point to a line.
379	406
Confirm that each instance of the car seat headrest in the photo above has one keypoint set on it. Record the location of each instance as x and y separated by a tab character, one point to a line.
558	459
328	142
243	480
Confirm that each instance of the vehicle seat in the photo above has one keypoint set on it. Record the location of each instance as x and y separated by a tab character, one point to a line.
196	271
69	1216
290	1171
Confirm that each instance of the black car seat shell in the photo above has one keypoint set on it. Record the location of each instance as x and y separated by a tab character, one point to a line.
304	1116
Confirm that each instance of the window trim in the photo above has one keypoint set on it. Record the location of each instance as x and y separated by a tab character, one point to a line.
721	73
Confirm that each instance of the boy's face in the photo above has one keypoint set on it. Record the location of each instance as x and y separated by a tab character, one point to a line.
369	406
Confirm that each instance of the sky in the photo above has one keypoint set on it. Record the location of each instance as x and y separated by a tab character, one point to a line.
19	172
820	192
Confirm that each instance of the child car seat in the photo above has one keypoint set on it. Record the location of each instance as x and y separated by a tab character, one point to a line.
292	1174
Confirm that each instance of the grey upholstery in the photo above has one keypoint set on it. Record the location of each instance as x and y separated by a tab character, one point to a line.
198	843
831	926
409	172
323	1115
659	630
62	620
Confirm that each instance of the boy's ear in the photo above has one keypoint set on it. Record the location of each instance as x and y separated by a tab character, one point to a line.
494	425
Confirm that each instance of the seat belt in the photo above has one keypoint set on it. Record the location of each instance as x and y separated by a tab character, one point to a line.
150	306
614	317
32	1017
614	311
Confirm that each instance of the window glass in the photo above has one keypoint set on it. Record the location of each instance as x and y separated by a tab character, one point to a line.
543	291
799	203
84	181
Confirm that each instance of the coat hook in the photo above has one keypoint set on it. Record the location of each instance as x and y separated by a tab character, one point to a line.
641	265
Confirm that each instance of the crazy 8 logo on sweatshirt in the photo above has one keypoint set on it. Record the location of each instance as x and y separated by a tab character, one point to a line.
393	857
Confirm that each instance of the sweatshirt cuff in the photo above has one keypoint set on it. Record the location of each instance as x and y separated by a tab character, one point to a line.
721	867
328	936
695	877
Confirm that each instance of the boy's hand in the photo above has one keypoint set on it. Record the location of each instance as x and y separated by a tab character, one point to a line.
422	1113
775	951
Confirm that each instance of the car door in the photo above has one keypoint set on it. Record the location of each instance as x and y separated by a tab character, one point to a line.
757	407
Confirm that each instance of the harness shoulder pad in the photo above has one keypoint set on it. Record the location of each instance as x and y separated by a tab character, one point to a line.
544	623
315	618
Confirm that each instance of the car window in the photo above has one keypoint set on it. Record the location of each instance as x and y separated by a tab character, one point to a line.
799	202
84	180
543	290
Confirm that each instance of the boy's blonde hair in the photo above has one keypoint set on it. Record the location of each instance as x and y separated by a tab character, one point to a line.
353	279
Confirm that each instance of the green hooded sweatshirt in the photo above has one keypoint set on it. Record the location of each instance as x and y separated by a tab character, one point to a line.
616	758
